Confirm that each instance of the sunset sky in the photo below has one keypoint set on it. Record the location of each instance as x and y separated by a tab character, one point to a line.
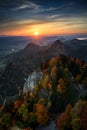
44	17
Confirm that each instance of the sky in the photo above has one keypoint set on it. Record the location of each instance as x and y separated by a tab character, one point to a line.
45	17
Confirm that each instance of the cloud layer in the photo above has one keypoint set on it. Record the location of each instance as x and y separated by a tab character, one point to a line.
32	14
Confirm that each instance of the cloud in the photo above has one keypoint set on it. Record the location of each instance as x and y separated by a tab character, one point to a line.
28	13
52	9
59	7
27	5
22	7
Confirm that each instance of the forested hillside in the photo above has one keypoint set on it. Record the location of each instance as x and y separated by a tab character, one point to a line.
62	91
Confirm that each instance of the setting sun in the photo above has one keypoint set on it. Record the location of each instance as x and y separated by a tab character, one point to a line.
36	33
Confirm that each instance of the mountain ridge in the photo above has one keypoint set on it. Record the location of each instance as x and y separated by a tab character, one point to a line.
22	63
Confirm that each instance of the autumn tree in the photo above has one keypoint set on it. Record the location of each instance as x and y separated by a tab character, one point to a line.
68	109
76	123
78	109
63	122
5	121
36	89
78	78
42	101
54	76
53	62
45	81
17	105
23	112
84	119
61	87
41	114
66	75
77	113
54	72
74	117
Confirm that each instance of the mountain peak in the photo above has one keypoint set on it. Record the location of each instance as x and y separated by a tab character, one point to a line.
31	44
75	39
58	43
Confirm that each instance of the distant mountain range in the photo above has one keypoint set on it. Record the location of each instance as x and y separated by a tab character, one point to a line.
75	47
38	54
22	63
79	48
76	42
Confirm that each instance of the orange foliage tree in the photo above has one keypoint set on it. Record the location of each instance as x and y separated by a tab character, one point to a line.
41	114
17	104
53	62
54	72
63	121
61	87
84	119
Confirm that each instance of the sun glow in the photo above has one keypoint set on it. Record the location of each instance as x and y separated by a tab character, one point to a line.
36	33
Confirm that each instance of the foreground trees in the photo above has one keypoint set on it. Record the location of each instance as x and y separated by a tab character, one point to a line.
50	97
5	121
74	118
41	114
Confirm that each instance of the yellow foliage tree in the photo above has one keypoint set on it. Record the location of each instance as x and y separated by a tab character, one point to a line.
53	62
45	82
23	112
61	87
36	89
78	77
54	72
76	123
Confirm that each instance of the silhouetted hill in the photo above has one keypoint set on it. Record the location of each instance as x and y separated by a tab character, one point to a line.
79	48
31	47
33	51
76	42
60	48
26	61
22	63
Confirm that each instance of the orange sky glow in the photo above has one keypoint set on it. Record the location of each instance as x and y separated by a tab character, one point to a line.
52	17
43	29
